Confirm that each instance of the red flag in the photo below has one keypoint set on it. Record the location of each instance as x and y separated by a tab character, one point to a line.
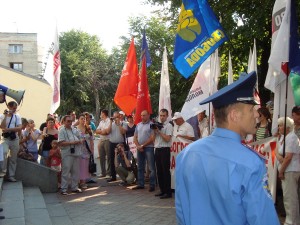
143	97
126	94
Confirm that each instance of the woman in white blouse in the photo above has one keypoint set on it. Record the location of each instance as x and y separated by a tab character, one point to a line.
289	169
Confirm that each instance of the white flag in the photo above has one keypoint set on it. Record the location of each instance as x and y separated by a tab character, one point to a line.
164	92
280	43
230	74
213	86
280	54
198	92
52	71
253	64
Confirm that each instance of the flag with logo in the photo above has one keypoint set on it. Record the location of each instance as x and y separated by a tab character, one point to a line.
165	91
126	94
143	97
52	71
199	34
199	91
284	56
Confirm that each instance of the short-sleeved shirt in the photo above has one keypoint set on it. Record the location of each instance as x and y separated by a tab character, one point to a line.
104	124
15	120
115	135
291	146
159	141
31	144
144	132
69	135
184	129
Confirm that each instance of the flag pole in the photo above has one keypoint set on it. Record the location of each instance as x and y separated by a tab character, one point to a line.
285	109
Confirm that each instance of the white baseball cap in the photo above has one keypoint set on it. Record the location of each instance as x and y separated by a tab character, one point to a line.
177	115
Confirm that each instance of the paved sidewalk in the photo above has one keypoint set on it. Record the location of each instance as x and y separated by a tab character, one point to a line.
108	203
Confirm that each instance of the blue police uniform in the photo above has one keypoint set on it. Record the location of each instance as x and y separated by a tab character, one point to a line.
219	181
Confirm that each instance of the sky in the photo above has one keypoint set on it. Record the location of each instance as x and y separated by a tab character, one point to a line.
106	19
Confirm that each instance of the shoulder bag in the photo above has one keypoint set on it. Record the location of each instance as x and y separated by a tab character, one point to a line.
92	164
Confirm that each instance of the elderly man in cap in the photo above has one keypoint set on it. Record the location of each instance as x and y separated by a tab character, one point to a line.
218	179
182	129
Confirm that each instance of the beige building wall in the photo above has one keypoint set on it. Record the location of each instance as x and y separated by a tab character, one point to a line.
29	56
37	98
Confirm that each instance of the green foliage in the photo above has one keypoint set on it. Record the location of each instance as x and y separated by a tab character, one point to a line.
85	73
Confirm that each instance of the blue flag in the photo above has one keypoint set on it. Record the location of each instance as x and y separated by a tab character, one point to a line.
199	34
145	51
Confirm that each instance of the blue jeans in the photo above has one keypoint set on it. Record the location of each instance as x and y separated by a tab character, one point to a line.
147	154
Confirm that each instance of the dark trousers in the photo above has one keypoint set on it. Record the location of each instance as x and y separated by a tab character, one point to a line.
112	147
162	160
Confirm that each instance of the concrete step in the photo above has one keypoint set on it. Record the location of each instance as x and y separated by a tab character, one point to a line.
27	206
35	207
12	202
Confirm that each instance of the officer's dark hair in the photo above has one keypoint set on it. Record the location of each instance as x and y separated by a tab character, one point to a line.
105	112
221	114
165	111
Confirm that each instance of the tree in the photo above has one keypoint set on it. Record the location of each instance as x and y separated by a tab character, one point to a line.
85	76
243	21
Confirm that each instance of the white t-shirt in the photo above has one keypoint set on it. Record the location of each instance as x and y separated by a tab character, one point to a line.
104	124
184	129
15	121
291	146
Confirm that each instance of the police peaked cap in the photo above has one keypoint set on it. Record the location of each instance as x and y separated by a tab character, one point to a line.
241	90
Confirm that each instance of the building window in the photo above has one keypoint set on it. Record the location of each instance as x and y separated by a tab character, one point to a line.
15	49
16	66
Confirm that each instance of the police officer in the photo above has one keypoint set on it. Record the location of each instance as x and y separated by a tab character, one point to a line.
218	179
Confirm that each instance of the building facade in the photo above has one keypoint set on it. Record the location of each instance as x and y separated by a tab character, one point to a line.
19	51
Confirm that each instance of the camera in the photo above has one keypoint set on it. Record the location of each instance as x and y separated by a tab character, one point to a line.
72	150
112	118
156	125
10	135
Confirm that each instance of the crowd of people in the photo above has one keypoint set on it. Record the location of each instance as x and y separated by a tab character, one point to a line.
66	146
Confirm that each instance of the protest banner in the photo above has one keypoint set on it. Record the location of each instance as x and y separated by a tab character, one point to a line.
266	148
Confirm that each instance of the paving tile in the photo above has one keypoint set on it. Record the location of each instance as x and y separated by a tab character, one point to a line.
61	220
12	185
12	195
34	202
13	221
37	217
32	191
13	209
56	210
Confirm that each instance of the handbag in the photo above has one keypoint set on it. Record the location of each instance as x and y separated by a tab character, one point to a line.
41	146
92	164
40	151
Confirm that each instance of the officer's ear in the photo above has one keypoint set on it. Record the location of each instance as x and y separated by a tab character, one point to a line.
235	113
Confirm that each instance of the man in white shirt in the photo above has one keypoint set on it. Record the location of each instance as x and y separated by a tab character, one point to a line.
182	129
11	125
103	146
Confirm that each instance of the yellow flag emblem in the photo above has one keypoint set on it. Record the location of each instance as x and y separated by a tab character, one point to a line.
188	27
